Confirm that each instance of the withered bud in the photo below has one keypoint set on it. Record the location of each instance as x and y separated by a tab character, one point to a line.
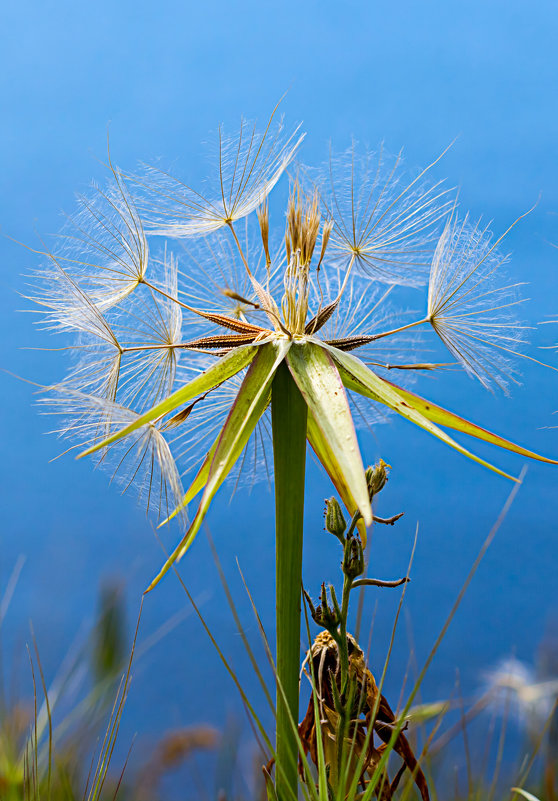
335	522
324	615
353	558
376	477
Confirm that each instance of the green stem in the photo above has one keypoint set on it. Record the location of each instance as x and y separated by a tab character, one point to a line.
347	587
342	645
288	415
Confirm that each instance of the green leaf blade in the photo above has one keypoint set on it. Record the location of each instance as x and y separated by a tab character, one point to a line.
443	417
320	446
359	378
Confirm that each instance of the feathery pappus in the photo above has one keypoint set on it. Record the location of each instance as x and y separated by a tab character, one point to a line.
181	305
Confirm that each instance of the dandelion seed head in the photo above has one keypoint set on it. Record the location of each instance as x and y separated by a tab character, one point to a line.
145	323
471	306
96	353
150	329
65	307
384	219
514	690
249	164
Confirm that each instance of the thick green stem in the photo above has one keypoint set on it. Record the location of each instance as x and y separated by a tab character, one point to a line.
288	414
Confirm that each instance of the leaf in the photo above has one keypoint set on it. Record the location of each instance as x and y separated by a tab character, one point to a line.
250	403
439	415
358	377
327	458
319	382
525	794
222	370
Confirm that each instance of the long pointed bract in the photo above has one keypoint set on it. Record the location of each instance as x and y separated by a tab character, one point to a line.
437	414
321	448
250	403
318	379
225	368
356	376
197	484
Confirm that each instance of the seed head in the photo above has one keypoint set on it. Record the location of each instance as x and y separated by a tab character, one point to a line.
469	305
249	166
385	221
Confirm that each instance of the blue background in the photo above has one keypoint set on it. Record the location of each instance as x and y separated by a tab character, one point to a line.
415	74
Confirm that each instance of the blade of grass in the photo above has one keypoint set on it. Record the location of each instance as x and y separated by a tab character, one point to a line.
500	752
322	772
236	617
33	740
10	587
369	734
540	739
225	661
294	726
109	742
48	713
236	681
425	751
525	794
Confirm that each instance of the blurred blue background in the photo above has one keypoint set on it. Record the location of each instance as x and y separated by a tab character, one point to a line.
415	74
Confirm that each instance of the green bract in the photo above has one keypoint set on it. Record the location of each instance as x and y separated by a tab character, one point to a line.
322	374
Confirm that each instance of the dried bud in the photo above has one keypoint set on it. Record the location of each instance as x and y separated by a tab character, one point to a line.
376	477
335	522
324	615
353	558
